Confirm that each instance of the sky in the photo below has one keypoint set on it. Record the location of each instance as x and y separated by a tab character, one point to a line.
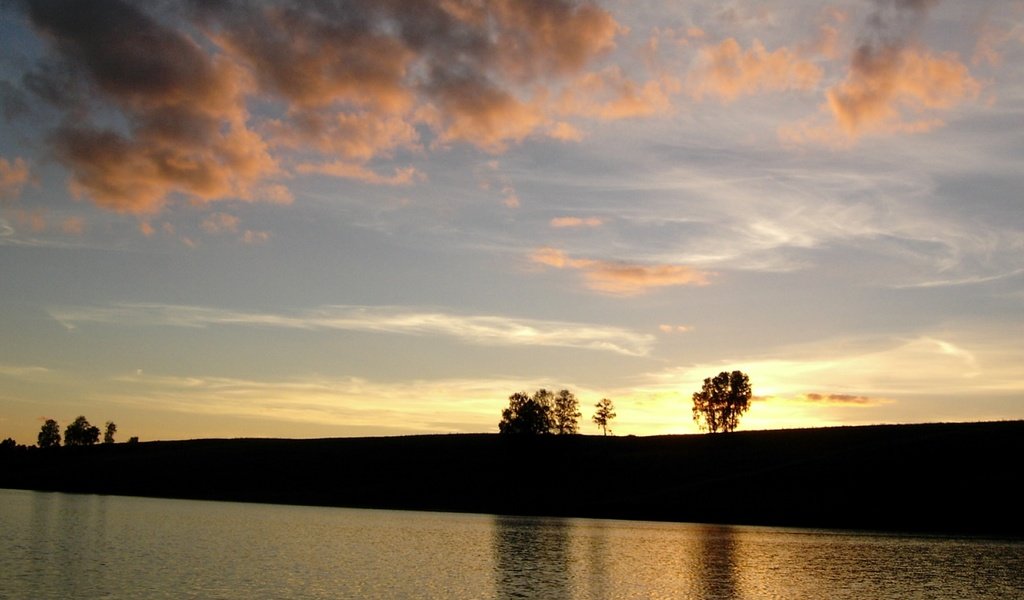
349	218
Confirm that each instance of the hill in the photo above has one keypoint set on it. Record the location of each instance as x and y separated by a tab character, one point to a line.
942	478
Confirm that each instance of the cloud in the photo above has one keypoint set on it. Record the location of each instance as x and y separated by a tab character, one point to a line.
665	328
357	136
490	178
219	223
353	405
841	399
255	237
892	85
621	278
727	71
13	177
186	124
474	329
357	172
575	222
610	94
156	100
884	85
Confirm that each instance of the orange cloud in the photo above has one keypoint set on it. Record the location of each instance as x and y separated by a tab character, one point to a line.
565	132
186	124
219	223
357	172
621	278
567	222
609	95
893	85
545	38
315	58
255	237
13	177
353	82
477	112
354	136
883	87
727	71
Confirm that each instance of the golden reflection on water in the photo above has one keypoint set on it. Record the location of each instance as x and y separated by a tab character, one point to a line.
70	546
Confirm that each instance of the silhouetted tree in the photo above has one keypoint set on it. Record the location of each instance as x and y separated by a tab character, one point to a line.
605	413
49	435
108	435
527	415
81	433
721	401
8	444
566	413
133	440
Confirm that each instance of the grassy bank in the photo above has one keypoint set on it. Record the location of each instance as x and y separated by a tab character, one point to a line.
943	478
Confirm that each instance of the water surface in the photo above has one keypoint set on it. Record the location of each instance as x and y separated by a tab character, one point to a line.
81	546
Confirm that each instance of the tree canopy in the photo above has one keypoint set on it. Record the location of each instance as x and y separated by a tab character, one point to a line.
49	435
108	434
605	413
525	415
543	412
566	413
81	433
721	401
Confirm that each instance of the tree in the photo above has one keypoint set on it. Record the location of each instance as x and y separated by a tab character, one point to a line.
81	433
605	412
566	413
108	435
721	401
526	415
49	435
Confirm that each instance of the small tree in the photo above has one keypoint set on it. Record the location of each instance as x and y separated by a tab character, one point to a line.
566	413
81	433
721	401
605	413
49	435
108	435
526	415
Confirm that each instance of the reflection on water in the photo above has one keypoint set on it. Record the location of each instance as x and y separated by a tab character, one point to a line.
70	546
715	567
531	555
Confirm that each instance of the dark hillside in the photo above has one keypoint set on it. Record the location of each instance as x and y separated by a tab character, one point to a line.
946	478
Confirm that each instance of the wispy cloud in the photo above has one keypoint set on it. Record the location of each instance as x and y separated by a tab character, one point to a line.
352	405
474	329
357	172
575	222
621	278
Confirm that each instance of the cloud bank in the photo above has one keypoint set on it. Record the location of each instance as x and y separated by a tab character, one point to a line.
156	101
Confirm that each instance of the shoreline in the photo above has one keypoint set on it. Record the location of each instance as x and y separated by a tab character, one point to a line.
944	479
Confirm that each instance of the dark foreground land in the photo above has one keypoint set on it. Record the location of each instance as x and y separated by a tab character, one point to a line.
941	478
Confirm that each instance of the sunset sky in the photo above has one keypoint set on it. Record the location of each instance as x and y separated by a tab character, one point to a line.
344	218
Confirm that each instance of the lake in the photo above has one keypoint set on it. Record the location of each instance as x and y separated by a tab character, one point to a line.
82	546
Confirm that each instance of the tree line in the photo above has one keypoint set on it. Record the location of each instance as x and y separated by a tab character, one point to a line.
717	407
79	433
549	412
